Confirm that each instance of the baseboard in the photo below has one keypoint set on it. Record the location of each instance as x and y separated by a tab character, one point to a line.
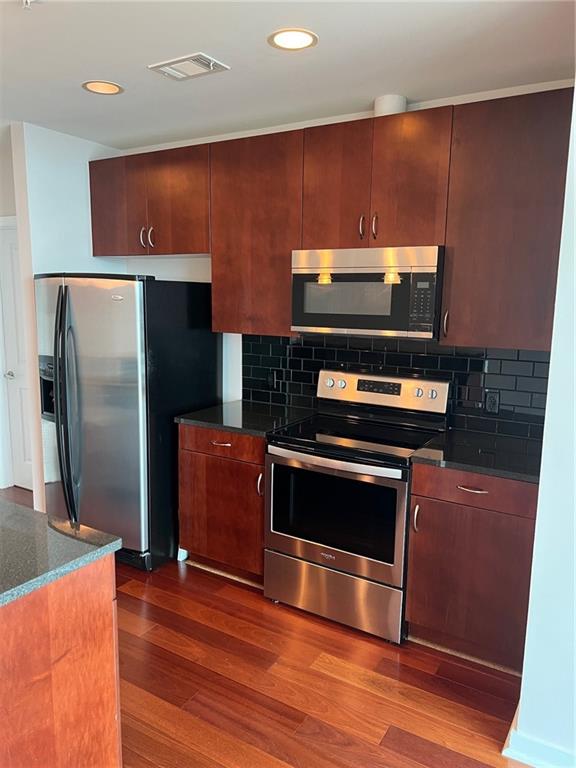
536	753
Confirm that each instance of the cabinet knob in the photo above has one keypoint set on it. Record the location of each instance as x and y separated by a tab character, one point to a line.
374	226
221	445
361	230
469	489
415	521
142	243
259	484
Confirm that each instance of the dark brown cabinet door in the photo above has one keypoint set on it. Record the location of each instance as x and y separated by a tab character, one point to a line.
337	171
221	510
468	579
507	177
118	192
410	162
178	200
256	209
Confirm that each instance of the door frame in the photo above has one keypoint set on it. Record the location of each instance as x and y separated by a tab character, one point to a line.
7	467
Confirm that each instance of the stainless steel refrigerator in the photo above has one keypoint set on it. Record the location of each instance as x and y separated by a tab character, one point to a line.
119	358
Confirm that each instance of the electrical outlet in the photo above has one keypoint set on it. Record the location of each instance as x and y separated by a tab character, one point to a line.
492	402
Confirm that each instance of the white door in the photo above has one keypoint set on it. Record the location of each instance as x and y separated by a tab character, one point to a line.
13	364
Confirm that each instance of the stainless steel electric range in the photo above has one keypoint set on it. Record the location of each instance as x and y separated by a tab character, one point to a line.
336	498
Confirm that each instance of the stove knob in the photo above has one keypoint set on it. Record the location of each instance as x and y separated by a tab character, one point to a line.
341	384
329	383
419	392
433	394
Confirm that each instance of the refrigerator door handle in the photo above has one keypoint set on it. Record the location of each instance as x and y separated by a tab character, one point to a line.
60	406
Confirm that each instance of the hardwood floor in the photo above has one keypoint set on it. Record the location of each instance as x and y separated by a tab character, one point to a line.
17	495
213	674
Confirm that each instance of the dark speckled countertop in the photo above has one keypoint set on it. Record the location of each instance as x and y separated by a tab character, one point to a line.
35	550
240	416
512	457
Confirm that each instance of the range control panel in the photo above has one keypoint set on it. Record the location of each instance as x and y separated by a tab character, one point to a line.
391	391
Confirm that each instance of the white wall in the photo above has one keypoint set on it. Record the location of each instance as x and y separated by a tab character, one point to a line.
7	202
545	733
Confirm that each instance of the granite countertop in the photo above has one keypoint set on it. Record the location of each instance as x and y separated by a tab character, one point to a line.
513	457
240	416
35	550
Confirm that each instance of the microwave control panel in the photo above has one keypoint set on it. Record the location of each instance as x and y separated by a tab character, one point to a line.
422	301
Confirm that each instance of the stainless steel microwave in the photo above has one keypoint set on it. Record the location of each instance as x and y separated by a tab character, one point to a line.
368	291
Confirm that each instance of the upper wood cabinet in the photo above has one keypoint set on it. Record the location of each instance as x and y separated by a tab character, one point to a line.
256	210
410	165
381	182
156	202
507	177
337	171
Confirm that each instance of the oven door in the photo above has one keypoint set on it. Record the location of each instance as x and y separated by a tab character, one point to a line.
349	517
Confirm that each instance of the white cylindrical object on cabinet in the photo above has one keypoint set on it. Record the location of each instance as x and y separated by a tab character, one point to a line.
389	104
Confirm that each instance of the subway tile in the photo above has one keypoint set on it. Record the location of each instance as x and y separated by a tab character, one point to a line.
382	344
360	342
534	413
538	400
312	365
337	342
513	428
425	361
540	357
348	355
260	348
514	398
435	348
260	397
304	377
502	354
537	431
279	398
525	384
372	358
295	364
324	354
479	424
412	347
492	366
541	369
517	367
301	352
301	401
313	340
476	364
497	381
470	352
278	349
396	358
453	363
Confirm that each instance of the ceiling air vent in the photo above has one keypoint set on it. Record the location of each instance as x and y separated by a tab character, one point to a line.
194	65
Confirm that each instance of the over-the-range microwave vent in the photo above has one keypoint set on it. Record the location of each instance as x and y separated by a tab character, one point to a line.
186	67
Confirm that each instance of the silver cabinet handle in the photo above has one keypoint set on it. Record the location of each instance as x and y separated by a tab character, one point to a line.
471	490
374	226
221	445
142	243
361	222
445	323
9	375
259	484
415	523
150	241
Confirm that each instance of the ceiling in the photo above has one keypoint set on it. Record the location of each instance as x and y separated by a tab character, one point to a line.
423	50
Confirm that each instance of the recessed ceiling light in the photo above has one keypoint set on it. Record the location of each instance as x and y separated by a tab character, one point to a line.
293	39
102	87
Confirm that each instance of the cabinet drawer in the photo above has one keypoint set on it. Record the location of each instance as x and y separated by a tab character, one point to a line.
513	497
219	442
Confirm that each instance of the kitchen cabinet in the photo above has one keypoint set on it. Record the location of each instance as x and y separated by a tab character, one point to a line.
336	197
221	507
153	203
256	209
59	681
507	176
410	164
468	574
381	182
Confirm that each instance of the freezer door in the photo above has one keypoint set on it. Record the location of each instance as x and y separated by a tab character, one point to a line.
48	297
106	405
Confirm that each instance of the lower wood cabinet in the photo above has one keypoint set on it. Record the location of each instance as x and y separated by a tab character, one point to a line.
469	578
222	511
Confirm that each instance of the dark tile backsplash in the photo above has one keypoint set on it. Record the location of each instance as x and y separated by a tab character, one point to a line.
284	371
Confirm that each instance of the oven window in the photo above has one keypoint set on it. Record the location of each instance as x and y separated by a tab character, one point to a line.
366	298
354	516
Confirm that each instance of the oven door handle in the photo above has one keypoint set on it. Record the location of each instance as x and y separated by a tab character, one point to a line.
312	460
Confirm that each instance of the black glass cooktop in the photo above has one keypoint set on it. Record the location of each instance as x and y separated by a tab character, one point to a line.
353	438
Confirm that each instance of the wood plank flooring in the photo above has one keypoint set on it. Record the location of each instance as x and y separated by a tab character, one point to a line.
215	675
